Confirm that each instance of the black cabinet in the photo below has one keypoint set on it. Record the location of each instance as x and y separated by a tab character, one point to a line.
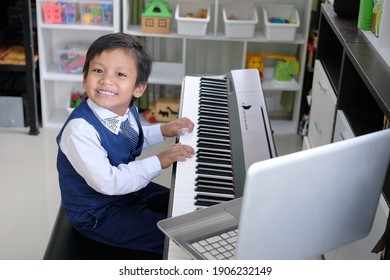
360	77
30	65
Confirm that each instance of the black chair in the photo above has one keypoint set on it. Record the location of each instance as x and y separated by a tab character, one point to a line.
66	243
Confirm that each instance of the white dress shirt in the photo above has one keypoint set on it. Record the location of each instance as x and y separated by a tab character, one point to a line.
81	144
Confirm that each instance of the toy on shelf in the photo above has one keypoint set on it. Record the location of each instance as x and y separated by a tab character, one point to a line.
156	18
76	97
96	13
59	12
255	61
52	12
192	17
164	110
72	58
280	20
286	68
202	13
69	13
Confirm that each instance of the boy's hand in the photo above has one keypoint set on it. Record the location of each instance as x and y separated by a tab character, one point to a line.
177	152
177	127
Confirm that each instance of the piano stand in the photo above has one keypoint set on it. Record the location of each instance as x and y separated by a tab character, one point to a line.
67	244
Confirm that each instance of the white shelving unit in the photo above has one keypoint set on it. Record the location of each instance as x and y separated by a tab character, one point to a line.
177	56
56	86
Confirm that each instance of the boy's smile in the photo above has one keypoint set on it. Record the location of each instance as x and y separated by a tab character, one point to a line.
110	81
103	92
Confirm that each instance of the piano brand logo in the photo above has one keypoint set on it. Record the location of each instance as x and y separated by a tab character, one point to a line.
245	108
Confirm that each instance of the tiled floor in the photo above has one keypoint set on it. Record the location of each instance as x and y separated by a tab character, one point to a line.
29	193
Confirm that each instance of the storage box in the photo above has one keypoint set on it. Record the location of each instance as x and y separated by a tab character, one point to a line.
240	19
72	58
96	13
192	17
62	12
11	111
280	31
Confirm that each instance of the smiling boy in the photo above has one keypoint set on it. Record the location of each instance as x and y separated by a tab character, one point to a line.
107	194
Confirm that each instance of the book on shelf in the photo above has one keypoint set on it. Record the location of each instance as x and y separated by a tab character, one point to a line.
365	14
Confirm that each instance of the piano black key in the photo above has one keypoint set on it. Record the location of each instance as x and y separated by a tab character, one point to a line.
216	143
203	179
212	91
215	104
216	129
208	119
214	123
214	161
204	200
212	108
205	203
222	120
206	184
208	136
213	80
220	154
221	132
215	101
210	166
215	192
213	114
217	166
215	173
212	94
220	86
215	148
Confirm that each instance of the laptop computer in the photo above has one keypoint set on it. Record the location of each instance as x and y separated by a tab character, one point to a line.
297	206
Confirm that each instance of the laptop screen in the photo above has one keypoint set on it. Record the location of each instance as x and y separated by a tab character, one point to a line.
305	204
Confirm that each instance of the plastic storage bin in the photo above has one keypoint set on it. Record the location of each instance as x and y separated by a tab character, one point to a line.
96	12
280	31
240	19
61	12
188	22
72	58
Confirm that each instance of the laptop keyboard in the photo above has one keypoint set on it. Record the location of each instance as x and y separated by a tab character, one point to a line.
218	247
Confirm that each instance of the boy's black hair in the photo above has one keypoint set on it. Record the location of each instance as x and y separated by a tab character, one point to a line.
119	40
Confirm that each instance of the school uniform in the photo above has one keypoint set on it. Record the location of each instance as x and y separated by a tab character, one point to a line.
107	195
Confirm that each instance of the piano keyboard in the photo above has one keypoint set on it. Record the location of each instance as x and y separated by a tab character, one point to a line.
205	100
207	178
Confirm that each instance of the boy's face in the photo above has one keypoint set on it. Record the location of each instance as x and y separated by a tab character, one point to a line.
110	80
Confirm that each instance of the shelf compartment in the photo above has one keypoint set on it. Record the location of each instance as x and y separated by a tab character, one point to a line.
357	102
167	73
330	53
56	102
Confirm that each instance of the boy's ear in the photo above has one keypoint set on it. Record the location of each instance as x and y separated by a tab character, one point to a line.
139	91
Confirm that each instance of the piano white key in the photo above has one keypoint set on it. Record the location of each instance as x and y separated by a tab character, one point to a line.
185	176
184	193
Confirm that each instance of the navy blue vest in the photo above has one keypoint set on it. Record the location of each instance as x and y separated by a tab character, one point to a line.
76	195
